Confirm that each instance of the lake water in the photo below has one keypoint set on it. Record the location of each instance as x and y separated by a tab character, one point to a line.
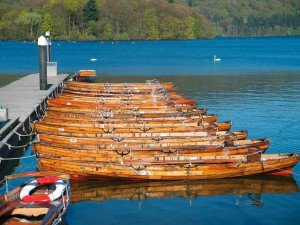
256	85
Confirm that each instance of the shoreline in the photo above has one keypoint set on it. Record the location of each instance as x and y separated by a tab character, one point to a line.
6	79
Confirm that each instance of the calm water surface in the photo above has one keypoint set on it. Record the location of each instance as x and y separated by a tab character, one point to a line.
256	86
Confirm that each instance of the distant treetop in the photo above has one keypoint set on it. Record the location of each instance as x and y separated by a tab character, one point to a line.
146	19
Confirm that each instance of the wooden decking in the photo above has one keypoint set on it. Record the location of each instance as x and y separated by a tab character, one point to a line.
24	101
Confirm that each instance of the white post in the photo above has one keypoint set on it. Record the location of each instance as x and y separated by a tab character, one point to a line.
47	35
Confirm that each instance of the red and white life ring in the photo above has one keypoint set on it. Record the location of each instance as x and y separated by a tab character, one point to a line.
57	193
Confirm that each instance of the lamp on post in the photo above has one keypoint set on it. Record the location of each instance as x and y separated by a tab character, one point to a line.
47	35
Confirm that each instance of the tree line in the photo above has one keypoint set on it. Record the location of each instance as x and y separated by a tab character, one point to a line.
249	17
147	19
101	20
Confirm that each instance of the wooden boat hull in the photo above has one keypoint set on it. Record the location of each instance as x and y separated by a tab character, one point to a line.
99	117
113	153
99	105
185	171
140	127
43	127
122	88
74	91
98	143
132	113
133	137
142	101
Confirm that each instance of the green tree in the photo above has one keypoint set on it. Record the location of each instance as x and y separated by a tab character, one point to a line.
107	33
72	9
151	24
30	19
90	11
189	28
166	30
47	23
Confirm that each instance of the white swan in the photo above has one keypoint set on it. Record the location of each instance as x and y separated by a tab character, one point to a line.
93	59
216	59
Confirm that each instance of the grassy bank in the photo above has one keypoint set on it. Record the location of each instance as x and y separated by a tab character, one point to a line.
6	79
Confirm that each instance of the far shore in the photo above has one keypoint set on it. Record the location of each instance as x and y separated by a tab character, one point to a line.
6	79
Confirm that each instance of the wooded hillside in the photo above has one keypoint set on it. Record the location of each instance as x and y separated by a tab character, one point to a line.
249	17
147	19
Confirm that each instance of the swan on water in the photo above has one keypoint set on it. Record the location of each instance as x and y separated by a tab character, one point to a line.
93	59
216	59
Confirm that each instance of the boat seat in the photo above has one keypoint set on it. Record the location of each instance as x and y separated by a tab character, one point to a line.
31	211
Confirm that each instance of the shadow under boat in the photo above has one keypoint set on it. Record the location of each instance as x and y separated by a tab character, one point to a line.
252	188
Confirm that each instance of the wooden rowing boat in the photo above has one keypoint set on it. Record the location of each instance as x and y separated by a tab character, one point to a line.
172	91
123	148
121	88
79	131
98	191
145	85
117	153
151	126
141	142
124	107
171	169
168	121
128	142
43	199
134	113
148	84
163	96
129	101
123	95
183	118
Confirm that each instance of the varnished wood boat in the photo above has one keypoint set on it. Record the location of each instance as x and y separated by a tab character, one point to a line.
144	101
134	113
144	85
122	87
145	126
123	92
142	143
69	91
44	199
148	84
172	169
174	96
168	121
183	118
117	153
125	108
126	142
97	191
78	131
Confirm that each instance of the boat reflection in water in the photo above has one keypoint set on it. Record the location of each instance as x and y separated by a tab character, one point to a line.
248	190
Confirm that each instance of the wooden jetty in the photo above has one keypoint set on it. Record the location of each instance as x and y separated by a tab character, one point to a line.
25	102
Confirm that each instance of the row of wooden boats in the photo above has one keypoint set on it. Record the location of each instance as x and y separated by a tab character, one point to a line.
137	131
145	131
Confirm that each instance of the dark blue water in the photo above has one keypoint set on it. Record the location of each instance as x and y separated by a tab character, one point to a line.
256	85
239	56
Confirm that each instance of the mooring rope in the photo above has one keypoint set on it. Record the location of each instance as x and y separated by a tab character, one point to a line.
14	146
24	135
17	158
